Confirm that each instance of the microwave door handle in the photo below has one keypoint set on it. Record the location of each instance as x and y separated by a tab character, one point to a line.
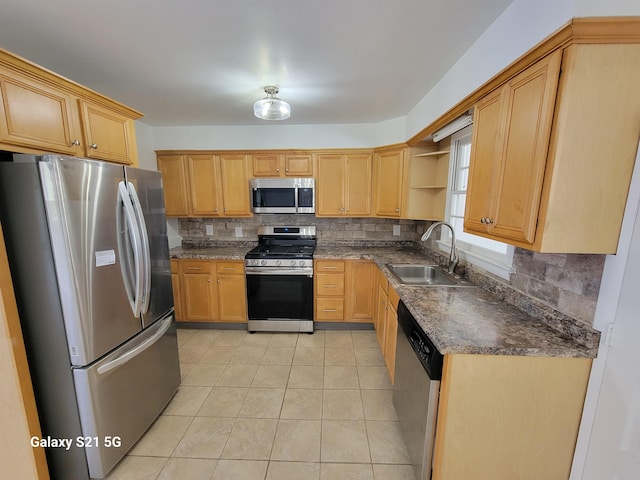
295	197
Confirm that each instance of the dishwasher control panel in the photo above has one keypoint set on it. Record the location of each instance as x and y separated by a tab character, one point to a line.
429	356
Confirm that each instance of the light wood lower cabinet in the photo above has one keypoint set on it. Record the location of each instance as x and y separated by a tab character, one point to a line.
210	291
177	290
386	321
503	417
359	293
329	290
344	290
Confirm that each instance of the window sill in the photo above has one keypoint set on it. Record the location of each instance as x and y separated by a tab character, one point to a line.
492	262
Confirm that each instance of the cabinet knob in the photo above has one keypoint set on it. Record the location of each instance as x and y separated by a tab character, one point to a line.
208	280
486	220
277	170
286	169
76	143
94	146
397	210
215	209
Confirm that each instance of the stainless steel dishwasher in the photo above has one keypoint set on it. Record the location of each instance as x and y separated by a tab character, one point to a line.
416	391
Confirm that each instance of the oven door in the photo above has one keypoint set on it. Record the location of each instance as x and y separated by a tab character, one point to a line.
279	293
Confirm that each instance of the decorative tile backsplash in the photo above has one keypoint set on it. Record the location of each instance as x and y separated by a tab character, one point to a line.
193	230
568	283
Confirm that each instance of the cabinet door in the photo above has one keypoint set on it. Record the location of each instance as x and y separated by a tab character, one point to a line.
511	132
232	306
381	315
358	185
530	100
266	164
174	184
390	340
177	291
330	185
388	183
298	165
359	292
107	135
234	173
200	303
204	185
37	116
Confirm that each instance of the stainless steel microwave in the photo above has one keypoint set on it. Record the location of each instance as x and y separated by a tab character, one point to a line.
283	195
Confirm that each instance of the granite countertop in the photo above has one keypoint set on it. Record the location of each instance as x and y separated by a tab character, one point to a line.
459	320
211	253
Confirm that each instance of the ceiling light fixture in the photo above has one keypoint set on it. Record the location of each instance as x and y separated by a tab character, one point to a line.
271	107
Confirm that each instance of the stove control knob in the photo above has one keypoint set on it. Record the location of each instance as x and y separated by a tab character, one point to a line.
302	263
263	262
278	263
293	263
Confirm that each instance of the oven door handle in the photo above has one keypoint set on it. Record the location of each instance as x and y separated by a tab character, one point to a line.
308	272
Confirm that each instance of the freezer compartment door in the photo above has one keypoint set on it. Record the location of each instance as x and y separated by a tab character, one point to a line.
121	395
148	198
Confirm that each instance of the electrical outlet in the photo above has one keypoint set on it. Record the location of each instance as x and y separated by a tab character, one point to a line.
208	229
396	230
238	232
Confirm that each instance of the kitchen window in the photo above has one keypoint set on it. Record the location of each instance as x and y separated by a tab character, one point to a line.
492	256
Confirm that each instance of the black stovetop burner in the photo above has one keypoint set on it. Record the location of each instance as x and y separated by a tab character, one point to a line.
284	242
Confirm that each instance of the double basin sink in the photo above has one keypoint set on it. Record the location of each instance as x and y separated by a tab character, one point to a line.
426	275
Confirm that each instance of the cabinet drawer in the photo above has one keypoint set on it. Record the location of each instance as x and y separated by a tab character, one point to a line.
329	266
330	284
329	309
230	268
175	265
196	266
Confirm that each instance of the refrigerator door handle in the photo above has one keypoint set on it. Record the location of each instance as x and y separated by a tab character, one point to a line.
136	296
125	357
146	254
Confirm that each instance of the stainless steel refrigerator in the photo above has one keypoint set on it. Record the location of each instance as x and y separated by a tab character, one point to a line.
89	260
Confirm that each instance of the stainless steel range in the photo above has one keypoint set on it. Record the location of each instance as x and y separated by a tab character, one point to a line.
280	279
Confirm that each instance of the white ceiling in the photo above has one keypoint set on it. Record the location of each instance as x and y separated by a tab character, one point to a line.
204	62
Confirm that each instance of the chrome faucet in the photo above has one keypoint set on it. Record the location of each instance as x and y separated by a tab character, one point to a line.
453	256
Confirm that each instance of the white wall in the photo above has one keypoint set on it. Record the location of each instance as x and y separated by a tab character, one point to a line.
280	136
524	24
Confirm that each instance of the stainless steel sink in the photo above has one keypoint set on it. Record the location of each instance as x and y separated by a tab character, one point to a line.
426	275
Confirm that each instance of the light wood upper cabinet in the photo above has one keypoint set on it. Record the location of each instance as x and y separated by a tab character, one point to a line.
344	184
551	160
107	134
205	185
175	186
33	114
234	177
282	164
266	164
41	112
509	152
388	182
298	165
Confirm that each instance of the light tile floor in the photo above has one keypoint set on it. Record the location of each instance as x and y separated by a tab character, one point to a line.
275	407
